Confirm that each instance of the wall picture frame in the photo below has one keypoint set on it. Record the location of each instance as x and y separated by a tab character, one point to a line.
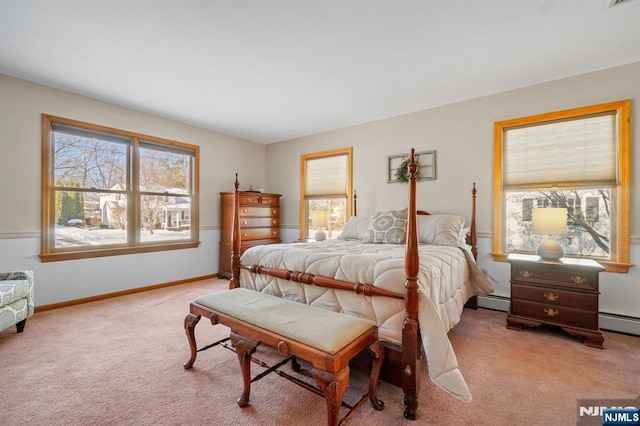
426	165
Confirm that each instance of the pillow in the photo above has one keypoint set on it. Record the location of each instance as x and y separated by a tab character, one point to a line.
463	235
440	229
355	228
387	228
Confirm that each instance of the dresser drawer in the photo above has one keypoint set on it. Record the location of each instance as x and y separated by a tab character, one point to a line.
539	274
559	315
259	211
555	297
262	222
248	200
259	233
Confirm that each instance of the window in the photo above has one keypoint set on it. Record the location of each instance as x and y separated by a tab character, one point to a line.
578	159
325	199
107	192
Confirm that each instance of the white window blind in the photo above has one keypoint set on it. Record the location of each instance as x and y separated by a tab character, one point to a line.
326	176
573	153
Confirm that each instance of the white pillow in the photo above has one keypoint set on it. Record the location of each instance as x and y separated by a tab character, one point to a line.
387	228
440	229
355	228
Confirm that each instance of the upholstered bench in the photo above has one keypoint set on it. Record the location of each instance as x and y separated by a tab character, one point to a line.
328	340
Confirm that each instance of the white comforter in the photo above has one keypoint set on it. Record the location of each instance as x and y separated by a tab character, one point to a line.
448	276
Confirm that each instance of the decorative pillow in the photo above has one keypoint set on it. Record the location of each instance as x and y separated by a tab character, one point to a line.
355	228
440	229
387	228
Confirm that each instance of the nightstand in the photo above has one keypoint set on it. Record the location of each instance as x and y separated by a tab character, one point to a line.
562	293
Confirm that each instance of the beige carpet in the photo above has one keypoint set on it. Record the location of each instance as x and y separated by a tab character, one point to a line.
119	362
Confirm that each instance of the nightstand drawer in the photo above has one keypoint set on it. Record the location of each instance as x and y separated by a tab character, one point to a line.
536	273
561	315
555	297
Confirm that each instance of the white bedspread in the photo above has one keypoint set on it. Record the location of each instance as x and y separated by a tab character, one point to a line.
448	276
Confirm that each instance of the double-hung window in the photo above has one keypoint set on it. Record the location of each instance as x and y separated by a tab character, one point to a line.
107	192
325	199
577	159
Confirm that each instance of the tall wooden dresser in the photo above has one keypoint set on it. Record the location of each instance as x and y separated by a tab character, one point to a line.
259	224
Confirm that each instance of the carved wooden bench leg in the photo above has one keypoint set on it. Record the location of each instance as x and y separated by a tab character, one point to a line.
244	348
190	322
378	352
333	387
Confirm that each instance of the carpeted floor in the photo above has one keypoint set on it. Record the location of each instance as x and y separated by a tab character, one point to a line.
119	362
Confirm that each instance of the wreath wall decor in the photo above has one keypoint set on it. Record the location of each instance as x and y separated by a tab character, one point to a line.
398	167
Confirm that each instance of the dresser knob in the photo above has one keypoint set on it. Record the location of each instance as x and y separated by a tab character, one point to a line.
245	222
250	199
273	211
274	221
551	297
274	232
578	279
551	312
245	211
245	235
526	274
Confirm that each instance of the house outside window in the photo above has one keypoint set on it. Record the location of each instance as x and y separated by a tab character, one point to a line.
107	192
325	193
577	159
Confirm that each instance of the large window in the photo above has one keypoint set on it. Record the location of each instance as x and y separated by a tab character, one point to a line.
107	192
325	199
577	159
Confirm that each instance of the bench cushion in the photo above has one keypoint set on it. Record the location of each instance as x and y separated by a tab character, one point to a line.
318	328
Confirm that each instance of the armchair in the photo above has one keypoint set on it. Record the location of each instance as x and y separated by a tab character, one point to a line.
16	299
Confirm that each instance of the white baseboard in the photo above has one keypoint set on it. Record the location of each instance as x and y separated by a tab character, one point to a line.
617	323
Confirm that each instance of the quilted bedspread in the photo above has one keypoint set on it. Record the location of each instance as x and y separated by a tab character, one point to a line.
448	276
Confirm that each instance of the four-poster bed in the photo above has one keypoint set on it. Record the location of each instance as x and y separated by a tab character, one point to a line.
413	292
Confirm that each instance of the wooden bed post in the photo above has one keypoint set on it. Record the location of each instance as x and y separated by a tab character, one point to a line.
474	234
235	230
410	330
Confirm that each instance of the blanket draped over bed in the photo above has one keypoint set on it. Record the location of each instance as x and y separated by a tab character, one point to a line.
415	292
448	276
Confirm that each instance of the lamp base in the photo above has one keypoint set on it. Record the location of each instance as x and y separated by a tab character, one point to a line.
549	249
320	235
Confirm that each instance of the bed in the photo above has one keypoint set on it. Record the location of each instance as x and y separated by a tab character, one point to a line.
409	272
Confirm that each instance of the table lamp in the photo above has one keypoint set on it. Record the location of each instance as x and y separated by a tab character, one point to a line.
549	221
319	221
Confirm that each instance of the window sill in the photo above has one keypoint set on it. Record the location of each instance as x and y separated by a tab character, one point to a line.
86	254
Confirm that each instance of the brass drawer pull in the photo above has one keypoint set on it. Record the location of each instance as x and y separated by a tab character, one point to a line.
245	235
526	274
245	222
269	200
551	312
250	200
273	211
274	232
274	221
551	297
578	279
245	211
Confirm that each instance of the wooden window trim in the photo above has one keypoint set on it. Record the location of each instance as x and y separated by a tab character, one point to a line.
620	251
331	153
47	251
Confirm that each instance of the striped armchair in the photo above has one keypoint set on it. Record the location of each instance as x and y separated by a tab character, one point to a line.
16	299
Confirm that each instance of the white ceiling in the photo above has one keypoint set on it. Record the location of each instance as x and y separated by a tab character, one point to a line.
271	70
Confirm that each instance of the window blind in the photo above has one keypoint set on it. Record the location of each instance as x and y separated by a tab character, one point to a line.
576	153
326	176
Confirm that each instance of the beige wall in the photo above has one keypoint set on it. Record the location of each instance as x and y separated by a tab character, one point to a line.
462	135
21	106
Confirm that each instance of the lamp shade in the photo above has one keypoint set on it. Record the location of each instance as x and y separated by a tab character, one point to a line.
319	218
549	221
